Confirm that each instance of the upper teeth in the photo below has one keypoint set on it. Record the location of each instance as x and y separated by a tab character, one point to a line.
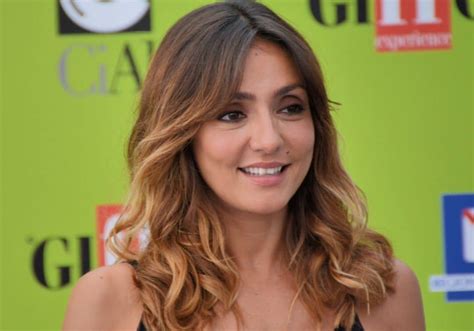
262	171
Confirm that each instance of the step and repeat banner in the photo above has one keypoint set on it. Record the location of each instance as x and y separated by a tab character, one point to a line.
71	70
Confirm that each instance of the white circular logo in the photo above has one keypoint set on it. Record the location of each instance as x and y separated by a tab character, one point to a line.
105	16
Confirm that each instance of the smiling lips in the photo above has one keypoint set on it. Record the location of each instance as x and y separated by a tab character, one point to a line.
265	174
255	171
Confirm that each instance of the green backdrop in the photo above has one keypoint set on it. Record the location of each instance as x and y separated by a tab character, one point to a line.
406	124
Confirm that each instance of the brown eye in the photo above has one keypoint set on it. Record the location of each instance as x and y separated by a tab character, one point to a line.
293	109
232	116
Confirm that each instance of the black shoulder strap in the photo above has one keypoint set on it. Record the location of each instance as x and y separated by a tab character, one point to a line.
357	326
141	326
134	264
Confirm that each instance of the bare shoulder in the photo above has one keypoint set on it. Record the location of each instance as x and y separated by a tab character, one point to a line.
105	298
403	309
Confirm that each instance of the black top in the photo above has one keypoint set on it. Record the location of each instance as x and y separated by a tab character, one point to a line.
356	327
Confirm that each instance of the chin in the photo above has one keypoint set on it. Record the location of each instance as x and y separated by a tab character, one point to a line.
266	208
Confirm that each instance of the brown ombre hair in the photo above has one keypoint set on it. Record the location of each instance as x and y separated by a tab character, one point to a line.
185	276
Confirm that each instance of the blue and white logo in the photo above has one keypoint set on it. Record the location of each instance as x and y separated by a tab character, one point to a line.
458	223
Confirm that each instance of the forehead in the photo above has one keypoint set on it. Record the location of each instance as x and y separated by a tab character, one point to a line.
268	67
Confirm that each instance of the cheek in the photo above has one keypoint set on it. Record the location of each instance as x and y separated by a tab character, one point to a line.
302	139
212	151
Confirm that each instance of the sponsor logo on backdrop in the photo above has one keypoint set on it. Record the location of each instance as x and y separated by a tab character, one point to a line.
458	226
58	261
124	73
95	67
407	25
107	217
103	16
400	25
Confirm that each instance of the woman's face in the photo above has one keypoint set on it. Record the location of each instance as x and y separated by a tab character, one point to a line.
255	155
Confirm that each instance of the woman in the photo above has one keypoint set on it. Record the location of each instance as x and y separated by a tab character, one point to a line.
253	222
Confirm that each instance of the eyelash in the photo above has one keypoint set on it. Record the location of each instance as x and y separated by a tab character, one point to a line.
293	109
235	112
296	109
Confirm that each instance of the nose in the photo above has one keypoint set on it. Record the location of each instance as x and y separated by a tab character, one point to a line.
265	134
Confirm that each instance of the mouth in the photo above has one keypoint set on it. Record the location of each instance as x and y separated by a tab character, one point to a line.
262	172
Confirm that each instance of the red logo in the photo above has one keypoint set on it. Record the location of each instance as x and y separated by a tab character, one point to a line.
107	217
406	25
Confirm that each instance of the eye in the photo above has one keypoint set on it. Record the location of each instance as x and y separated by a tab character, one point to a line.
232	116
294	109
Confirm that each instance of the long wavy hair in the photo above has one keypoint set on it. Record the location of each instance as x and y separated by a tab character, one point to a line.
185	275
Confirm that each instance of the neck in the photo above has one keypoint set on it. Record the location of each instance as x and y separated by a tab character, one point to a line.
256	241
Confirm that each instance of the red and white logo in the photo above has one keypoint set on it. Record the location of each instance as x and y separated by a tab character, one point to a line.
107	217
468	235
407	25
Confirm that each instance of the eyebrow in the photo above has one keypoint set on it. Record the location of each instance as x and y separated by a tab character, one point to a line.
280	92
